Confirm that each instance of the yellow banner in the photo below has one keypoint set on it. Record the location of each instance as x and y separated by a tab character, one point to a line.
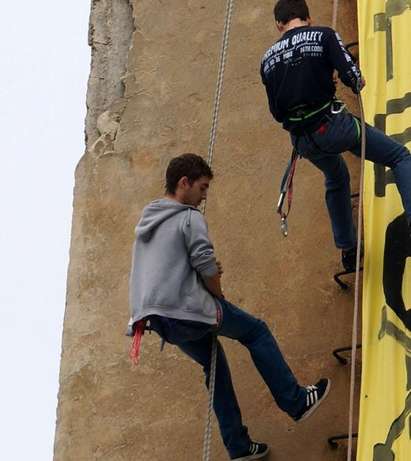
385	401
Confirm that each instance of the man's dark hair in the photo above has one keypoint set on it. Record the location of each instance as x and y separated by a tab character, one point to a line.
286	10
191	165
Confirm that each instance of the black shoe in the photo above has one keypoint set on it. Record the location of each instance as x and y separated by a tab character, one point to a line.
315	395
256	451
349	259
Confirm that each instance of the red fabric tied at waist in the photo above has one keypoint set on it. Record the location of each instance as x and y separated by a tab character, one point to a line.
322	129
139	328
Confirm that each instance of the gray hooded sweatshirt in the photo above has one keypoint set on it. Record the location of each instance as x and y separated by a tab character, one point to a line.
171	254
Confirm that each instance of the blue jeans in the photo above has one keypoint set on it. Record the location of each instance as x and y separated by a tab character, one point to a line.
323	149
195	339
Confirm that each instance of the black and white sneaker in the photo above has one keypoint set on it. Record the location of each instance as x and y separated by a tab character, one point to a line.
349	259
315	395
256	451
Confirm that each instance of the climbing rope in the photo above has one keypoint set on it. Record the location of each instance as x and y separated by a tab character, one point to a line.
357	282
335	14
219	87
213	135
354	339
211	387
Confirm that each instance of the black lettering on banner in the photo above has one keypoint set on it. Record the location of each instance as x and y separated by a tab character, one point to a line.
408	366
396	251
383	23
383	451
397	238
383	177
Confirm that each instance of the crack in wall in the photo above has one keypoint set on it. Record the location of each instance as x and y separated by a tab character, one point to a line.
111	29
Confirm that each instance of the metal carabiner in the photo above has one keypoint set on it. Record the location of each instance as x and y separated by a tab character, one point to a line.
281	201
284	226
337	107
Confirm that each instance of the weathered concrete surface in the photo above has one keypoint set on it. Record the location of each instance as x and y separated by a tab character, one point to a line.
110	30
109	410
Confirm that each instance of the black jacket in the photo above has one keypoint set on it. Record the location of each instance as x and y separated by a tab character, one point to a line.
297	70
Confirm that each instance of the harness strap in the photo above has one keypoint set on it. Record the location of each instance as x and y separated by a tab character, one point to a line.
307	115
286	190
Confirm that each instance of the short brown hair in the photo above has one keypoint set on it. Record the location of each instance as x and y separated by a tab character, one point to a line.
286	10
191	165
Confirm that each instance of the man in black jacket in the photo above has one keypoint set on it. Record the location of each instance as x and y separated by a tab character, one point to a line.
298	74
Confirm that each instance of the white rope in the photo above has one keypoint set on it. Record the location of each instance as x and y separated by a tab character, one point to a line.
335	14
213	134
354	338
220	78
219	87
357	283
211	387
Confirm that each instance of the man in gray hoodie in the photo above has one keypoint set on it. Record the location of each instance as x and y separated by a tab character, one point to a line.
175	288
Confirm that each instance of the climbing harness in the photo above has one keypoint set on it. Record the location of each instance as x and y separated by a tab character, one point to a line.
213	135
333	107
337	106
301	114
286	190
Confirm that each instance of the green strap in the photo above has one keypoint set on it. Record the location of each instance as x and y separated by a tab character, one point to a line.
309	114
357	125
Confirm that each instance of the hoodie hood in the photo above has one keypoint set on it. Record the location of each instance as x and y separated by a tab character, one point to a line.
156	213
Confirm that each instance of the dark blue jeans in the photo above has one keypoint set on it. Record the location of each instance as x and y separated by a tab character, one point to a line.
195	339
323	149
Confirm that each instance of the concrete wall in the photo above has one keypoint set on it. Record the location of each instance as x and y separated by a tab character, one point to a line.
150	97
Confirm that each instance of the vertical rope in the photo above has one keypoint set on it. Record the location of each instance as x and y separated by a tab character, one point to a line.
354	338
213	135
357	283
219	87
335	14
211	387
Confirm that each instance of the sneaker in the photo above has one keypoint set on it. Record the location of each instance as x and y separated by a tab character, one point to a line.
349	259
256	451
315	395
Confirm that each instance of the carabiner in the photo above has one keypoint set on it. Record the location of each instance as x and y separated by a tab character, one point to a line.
337	107
284	226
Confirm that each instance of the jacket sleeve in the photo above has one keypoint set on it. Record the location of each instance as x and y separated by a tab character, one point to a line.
341	60
199	247
270	96
262	75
